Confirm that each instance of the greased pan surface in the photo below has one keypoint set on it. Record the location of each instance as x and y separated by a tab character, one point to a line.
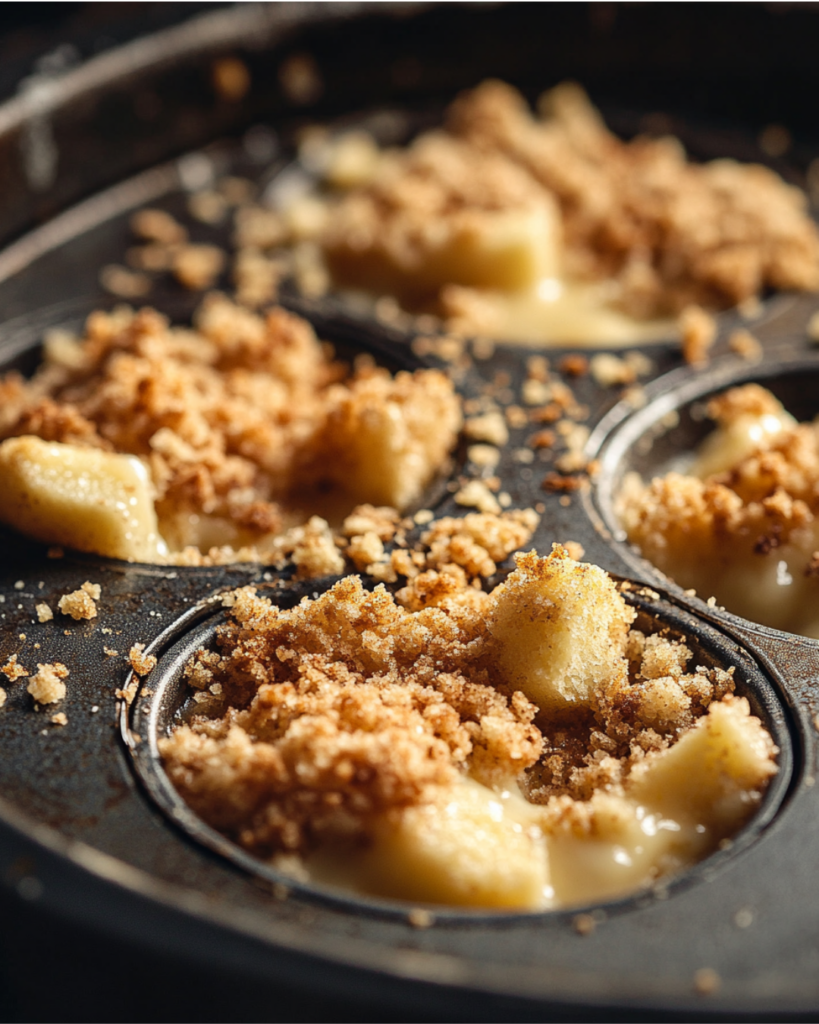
88	830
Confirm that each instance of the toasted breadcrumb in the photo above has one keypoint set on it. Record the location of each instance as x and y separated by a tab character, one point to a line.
698	330
197	266
243	424
12	670
745	345
47	686
81	604
124	283
158	226
761	498
44	612
335	711
667	233
141	663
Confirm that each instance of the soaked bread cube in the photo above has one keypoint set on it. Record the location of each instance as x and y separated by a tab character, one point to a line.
388	436
560	630
82	498
436	215
463	849
714	773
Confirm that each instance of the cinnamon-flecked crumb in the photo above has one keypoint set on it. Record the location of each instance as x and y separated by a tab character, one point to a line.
13	670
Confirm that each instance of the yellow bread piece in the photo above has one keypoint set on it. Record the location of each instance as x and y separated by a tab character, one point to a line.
81	498
736	439
612	846
469	848
712	777
560	629
389	436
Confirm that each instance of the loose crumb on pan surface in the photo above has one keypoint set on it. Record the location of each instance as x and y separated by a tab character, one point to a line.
47	685
79	604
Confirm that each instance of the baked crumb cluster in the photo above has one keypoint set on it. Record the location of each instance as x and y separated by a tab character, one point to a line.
501	200
212	441
743	524
369	726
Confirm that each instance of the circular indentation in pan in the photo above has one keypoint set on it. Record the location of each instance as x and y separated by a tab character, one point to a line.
21	351
663	436
167	701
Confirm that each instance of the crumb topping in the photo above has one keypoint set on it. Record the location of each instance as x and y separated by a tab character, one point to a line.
242	423
313	722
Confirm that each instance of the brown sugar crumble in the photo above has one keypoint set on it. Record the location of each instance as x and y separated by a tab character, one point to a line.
356	714
238	432
80	604
47	686
742	526
518	199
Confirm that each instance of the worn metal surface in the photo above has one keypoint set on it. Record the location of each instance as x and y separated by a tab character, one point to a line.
84	835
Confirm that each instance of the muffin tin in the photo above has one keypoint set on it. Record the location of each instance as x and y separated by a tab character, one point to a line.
90	828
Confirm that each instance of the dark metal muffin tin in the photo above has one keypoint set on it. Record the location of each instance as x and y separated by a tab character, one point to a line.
92	835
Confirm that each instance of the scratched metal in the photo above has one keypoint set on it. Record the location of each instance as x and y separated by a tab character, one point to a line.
88	829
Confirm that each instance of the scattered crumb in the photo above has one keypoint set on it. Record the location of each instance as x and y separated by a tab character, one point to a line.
584	924
698	330
706	981
44	612
197	266
81	604
94	708
141	663
420	918
47	686
158	226
475	494
124	283
574	549
490	428
744	917
110	652
485	456
300	79
60	718
19	585
231	78
12	670
745	345
3	696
